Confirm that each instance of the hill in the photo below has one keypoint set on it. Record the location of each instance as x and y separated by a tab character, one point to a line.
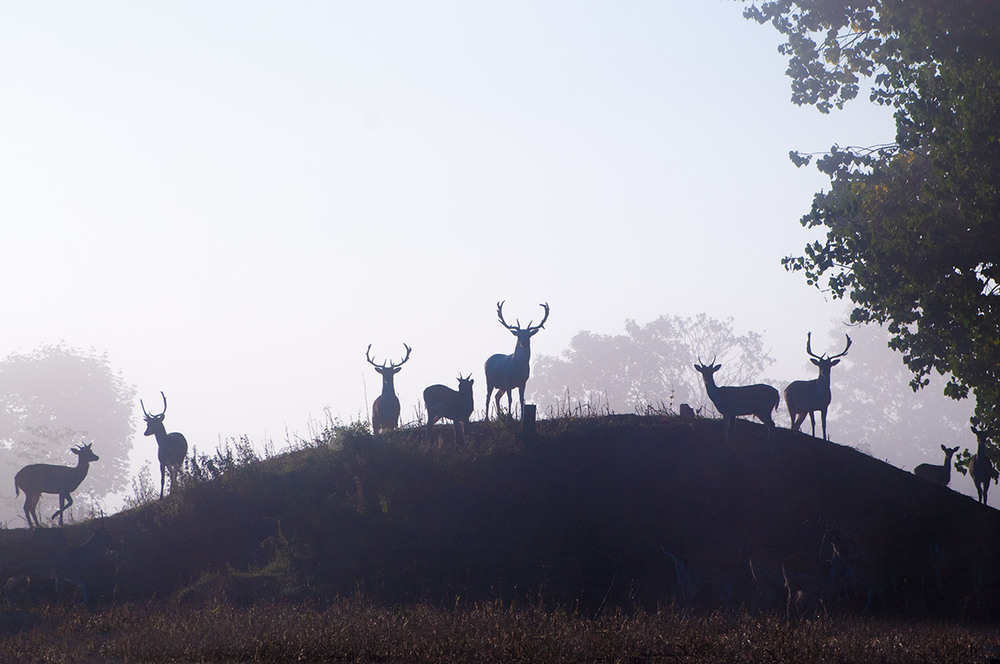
622	511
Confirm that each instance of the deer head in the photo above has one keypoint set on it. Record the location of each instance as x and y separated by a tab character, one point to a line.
523	334
154	423
387	370
825	362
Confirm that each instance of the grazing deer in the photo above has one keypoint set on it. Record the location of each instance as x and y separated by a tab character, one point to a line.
505	372
385	410
981	466
934	473
172	447
805	397
758	400
40	478
442	401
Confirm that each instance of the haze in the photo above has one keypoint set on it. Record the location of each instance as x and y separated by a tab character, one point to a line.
235	198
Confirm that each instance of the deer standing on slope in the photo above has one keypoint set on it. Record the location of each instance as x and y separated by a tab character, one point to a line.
172	447
981	466
759	400
934	473
40	478
505	372
385	410
442	401
805	397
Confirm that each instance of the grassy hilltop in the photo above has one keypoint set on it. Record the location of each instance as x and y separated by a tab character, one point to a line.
598	517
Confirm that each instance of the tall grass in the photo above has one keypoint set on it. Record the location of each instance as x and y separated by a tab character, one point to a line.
356	631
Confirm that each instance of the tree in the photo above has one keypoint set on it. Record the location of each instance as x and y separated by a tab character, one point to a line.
56	397
647	366
911	235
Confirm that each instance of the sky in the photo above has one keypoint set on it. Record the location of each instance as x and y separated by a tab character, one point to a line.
234	199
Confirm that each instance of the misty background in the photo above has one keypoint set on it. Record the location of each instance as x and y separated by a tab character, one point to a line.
230	201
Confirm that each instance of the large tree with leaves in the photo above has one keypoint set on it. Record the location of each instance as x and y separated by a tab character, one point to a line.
913	227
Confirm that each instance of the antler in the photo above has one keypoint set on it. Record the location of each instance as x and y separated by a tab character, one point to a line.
845	349
517	327
370	361
146	416
392	365
832	357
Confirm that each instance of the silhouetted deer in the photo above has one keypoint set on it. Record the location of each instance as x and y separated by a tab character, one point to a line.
805	397
981	466
934	473
758	400
172	447
505	372
443	402
40	478
385	410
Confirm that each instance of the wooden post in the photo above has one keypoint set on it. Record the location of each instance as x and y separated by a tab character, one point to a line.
528	421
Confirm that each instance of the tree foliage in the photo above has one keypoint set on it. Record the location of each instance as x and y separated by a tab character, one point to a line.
648	365
54	398
911	227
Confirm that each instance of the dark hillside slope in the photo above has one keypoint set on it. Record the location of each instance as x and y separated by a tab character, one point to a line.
622	510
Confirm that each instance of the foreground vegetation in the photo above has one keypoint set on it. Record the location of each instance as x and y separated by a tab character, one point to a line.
614	538
355	631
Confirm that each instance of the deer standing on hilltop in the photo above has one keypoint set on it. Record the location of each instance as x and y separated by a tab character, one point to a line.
759	400
506	372
40	478
981	466
385	410
805	397
443	402
172	447
934	473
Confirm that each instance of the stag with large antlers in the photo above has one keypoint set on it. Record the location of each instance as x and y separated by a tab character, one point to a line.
172	447
385	410
40	478
805	397
981	466
759	400
505	372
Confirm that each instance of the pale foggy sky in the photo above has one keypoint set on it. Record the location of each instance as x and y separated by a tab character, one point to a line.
233	199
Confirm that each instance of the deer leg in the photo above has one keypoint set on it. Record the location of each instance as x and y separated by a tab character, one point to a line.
65	501
30	503
797	421
497	401
822	416
163	477
812	420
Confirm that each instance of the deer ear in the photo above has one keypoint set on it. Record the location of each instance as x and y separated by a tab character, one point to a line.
816	362
835	363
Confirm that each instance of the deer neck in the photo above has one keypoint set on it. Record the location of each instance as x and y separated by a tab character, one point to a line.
388	389
80	472
522	351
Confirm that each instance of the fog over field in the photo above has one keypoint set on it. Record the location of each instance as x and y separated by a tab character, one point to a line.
233	200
